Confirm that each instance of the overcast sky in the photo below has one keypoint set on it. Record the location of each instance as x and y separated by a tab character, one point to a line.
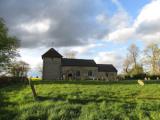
94	29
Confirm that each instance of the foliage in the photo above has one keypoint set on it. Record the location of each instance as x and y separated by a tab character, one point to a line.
81	100
19	69
136	70
152	58
8	45
12	80
149	62
130	63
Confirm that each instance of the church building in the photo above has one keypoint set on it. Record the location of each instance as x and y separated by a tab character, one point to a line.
55	67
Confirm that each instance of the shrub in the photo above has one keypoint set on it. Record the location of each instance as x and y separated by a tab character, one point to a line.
10	80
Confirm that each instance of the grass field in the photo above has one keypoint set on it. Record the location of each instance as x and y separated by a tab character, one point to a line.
81	101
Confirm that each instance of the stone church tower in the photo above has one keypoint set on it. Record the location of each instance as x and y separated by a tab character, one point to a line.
52	67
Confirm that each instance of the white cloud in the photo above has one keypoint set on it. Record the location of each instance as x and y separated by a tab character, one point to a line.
147	23
119	20
149	13
118	24
36	26
79	50
120	35
110	57
145	27
32	56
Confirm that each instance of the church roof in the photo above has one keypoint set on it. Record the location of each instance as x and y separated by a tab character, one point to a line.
78	62
106	68
52	53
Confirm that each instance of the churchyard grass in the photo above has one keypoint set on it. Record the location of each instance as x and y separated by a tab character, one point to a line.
81	100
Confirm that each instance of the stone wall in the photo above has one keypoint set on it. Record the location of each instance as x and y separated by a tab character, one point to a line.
71	72
51	68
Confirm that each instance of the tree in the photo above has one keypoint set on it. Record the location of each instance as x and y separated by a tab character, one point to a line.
70	54
8	46
133	52
126	65
19	69
152	55
131	65
136	71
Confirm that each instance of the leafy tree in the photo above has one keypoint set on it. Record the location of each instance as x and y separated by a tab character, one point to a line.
136	70
152	55
8	46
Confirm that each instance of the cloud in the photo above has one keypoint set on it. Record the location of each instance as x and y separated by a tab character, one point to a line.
109	57
147	23
36	27
118	20
117	25
145	27
78	50
64	22
120	35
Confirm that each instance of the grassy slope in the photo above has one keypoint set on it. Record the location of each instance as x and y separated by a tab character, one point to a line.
81	100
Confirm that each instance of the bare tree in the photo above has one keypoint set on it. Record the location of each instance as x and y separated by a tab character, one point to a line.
152	55
126	64
70	54
133	52
19	69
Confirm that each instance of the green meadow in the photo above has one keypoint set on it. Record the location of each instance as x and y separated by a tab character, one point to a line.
81	100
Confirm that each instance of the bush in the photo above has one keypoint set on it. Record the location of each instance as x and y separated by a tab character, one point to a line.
141	76
153	77
10	80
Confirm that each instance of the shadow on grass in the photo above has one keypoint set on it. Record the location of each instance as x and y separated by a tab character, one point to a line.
7	108
91	82
86	101
44	98
6	111
76	101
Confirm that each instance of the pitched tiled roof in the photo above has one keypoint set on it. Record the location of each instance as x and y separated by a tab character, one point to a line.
52	53
106	68
78	62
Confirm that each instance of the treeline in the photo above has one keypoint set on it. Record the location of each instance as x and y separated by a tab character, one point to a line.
143	64
9	65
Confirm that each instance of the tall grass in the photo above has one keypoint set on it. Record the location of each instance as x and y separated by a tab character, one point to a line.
80	100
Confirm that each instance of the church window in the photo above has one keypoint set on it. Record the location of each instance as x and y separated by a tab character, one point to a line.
78	73
90	73
106	74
